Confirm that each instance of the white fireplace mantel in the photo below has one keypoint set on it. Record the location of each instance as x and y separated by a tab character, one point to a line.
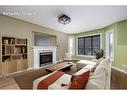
39	49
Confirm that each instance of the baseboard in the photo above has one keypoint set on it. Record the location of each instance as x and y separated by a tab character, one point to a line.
30	68
119	70
5	75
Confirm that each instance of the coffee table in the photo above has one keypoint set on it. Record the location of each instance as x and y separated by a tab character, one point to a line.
60	66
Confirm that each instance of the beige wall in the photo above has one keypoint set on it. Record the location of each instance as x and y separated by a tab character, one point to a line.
17	28
45	39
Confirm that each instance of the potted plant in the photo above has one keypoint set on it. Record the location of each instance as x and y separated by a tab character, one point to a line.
99	53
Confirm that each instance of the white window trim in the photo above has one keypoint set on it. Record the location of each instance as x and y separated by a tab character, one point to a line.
69	46
87	36
107	43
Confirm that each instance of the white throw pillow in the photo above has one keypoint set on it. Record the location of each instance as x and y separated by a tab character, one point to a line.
101	59
98	61
98	79
96	82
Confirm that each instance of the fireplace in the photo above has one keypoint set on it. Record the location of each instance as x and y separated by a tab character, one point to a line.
44	55
45	58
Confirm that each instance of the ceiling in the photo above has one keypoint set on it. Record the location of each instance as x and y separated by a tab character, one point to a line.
83	18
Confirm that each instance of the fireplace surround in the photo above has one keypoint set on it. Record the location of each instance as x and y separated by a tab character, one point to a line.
41	50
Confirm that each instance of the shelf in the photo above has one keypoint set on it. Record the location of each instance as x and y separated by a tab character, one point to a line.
9	44
20	41
8	40
8	54
13	48
20	44
13	54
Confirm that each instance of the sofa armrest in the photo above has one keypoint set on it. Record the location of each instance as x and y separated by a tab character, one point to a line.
83	63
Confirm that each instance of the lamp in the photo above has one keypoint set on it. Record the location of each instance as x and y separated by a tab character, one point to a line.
64	19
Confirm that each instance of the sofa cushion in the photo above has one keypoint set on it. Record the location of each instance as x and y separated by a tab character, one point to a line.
103	64
98	61
89	67
86	62
84	69
99	79
81	71
80	81
82	63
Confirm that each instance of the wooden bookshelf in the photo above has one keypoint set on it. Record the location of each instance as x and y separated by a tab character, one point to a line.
13	48
14	52
9	67
22	64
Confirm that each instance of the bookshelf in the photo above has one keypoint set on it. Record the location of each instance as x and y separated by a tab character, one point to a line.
14	54
13	49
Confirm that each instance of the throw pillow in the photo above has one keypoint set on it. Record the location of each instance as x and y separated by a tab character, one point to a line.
99	79
98	62
79	81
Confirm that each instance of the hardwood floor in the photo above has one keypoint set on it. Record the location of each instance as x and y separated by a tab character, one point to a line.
9	83
118	80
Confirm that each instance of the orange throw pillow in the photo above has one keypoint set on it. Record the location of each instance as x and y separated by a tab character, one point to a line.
79	82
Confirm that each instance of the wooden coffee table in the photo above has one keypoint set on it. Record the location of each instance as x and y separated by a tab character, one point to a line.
60	66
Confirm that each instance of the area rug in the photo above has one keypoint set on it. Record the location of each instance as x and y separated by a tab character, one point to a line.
25	81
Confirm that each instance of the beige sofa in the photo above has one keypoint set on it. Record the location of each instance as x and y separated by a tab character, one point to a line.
99	80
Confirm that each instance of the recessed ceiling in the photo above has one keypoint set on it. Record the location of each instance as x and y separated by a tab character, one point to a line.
83	18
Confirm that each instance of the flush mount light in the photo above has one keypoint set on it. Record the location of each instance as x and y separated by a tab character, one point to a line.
64	19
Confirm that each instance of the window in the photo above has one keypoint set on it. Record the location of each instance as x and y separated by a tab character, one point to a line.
110	44
71	45
88	45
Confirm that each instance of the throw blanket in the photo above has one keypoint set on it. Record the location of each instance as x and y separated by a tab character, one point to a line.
49	80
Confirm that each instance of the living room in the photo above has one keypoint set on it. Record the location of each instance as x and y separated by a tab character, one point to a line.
28	36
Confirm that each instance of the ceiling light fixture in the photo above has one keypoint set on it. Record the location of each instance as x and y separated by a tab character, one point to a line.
64	19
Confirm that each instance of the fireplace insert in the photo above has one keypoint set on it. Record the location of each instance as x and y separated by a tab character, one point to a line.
45	58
